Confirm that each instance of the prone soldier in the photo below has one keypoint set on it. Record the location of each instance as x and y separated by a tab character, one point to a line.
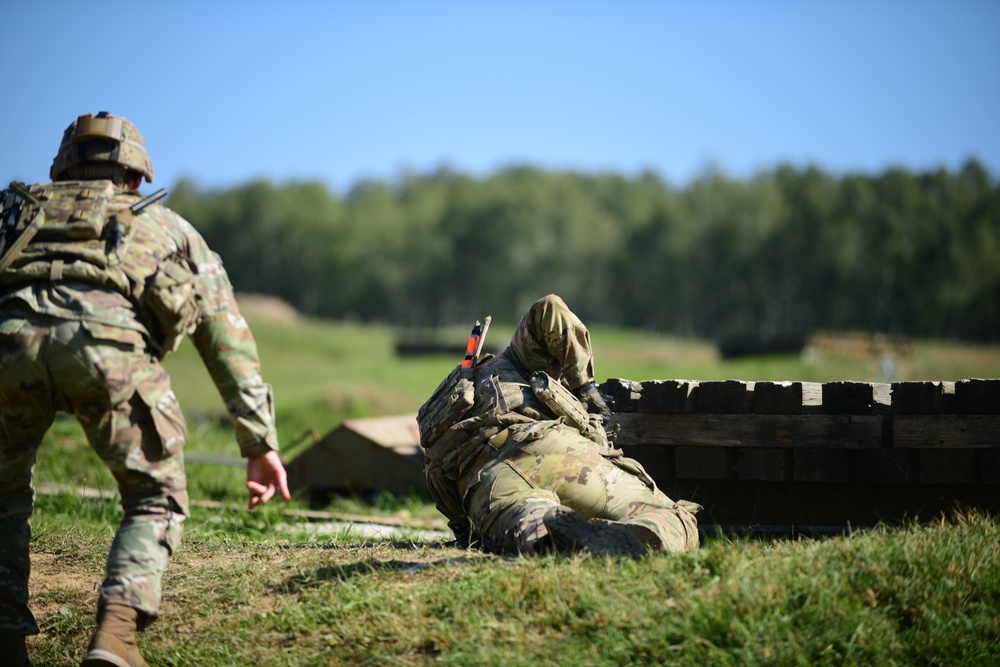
518	458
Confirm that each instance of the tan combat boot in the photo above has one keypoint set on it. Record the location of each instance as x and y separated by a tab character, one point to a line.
14	650
114	642
571	532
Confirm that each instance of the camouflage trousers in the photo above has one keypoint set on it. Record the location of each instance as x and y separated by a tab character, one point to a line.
123	400
549	464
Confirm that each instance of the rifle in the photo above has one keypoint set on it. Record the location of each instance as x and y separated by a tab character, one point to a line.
476	340
9	206
20	195
137	207
122	219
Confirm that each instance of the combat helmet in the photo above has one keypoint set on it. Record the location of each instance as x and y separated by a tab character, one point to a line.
92	143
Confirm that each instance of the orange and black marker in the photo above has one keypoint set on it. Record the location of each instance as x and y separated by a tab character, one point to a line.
476	340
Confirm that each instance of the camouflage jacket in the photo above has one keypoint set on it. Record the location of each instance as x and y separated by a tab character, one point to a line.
153	274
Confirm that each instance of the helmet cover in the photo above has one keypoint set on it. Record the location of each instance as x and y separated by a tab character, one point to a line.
102	138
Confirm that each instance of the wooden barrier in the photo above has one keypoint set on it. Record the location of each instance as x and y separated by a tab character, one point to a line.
810	457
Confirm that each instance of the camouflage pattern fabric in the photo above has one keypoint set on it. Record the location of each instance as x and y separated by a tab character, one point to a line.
552	338
85	349
510	461
221	334
548	465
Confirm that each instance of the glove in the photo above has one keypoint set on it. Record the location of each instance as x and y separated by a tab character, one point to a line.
595	402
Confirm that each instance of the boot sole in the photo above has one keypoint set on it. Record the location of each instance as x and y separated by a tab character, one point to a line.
100	658
571	532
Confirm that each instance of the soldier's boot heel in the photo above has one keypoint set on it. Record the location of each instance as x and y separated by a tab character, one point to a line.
649	538
114	643
571	532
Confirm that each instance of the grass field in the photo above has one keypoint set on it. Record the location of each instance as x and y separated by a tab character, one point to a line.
262	589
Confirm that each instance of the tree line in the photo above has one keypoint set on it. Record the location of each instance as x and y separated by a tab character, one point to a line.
791	249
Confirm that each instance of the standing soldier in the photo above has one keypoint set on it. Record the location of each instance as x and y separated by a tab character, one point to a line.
97	285
517	455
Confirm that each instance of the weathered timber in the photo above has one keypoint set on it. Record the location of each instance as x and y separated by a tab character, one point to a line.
755	507
776	398
886	466
989	466
946	431
856	398
666	396
977	397
824	464
701	463
721	430
922	398
942	466
727	397
764	464
812	457
624	394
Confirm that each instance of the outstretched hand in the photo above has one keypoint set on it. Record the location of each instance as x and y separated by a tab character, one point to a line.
266	476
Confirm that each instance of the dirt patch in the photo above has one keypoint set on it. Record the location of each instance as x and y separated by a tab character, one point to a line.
61	571
60	579
267	308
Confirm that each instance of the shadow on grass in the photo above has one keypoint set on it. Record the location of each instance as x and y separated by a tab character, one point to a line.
364	568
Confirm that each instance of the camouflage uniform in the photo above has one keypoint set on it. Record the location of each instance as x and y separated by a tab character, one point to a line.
86	338
510	464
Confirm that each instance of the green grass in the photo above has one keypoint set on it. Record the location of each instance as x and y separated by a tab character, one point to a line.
235	595
250	589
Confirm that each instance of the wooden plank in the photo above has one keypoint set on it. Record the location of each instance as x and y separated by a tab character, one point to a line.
777	398
917	398
812	398
848	398
946	431
659	461
977	397
705	463
948	466
886	466
882	398
948	397
624	393
823	465
667	396
808	504
829	431
629	425
726	397
989	466
764	464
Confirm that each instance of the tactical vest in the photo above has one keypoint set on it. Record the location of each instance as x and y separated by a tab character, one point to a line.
86	235
463	403
469	409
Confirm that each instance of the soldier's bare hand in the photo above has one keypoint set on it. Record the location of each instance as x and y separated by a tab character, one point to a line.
265	477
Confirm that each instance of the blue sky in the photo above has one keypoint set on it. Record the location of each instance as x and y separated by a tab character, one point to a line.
228	92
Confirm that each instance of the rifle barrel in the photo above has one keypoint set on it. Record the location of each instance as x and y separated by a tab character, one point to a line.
146	201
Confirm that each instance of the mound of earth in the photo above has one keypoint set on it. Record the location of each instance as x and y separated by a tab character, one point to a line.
268	308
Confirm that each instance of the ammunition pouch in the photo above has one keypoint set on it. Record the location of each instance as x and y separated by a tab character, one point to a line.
564	404
446	406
